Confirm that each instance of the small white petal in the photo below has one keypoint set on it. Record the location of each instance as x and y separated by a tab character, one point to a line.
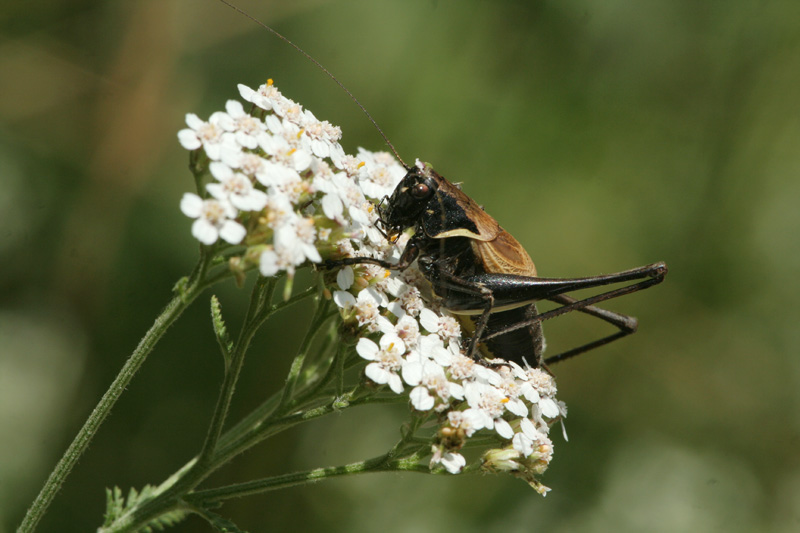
456	391
549	408
453	462
412	373
234	108
530	393
221	171
396	309
332	206
274	124
488	375
431	346
312	253
301	160
213	151
274	174
337	155
344	299
246	92
395	383
189	140
377	373
232	231
254	201
394	286
476	419
429	320
503	428
369	295
223	120
517	407
528	428
345	278
191	205
523	444
268	263
384	325
246	140
320	148
230	152
367	349
230	211
217	190
421	399
204	232
358	215
193	121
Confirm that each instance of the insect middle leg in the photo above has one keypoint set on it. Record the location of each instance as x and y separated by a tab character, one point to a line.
451	288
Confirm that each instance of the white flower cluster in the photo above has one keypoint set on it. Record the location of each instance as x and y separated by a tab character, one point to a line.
282	181
420	348
284	188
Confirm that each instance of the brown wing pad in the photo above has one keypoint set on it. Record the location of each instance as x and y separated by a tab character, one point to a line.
504	255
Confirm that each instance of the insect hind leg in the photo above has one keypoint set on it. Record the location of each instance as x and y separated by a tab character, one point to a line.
626	325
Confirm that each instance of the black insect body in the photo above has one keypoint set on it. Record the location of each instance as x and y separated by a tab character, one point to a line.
481	274
457	246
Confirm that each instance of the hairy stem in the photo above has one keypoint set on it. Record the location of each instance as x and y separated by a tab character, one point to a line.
256	314
258	486
185	294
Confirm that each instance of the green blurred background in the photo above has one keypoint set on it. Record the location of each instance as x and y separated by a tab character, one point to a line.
603	135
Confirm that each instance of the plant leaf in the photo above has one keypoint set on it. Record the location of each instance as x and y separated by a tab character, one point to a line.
221	332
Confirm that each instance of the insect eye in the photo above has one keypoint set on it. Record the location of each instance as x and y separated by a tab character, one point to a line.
420	190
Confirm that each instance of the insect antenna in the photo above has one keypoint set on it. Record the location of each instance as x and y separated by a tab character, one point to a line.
323	69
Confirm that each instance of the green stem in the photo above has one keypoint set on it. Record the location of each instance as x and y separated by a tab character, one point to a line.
256	314
335	371
320	317
259	486
263	411
260	430
383	463
186	294
269	428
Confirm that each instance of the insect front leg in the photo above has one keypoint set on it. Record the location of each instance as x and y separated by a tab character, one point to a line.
410	254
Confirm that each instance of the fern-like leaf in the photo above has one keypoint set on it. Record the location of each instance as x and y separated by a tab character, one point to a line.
221	332
117	507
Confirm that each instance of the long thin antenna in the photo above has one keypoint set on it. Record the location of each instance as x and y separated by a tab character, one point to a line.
323	69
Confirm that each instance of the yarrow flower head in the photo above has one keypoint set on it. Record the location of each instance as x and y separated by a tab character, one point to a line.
279	186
